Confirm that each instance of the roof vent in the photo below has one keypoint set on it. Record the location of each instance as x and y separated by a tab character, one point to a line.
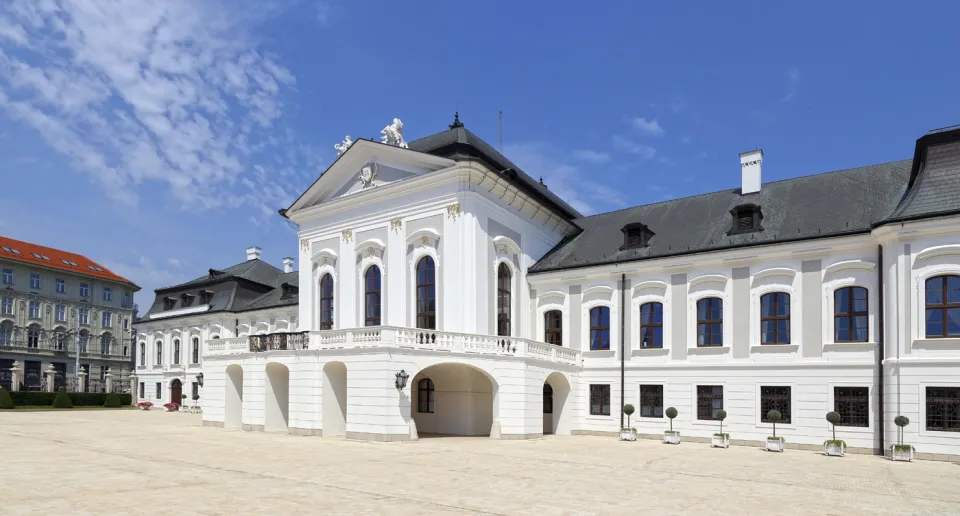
746	219
750	164
288	265
253	253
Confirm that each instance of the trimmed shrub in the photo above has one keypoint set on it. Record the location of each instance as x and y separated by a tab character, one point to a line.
112	401
6	402
834	418
62	401
774	416
671	413
628	410
901	421
721	415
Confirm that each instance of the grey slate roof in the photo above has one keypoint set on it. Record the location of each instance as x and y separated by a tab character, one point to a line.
937	186
275	297
834	203
257	271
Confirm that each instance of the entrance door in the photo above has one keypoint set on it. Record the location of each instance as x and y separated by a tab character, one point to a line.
176	390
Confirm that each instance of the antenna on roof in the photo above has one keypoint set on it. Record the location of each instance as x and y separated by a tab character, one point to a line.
500	128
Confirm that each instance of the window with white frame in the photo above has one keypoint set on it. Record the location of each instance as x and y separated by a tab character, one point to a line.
159	387
84	316
709	401
775	318
850	314
942	306
107	295
141	390
709	322
600	328
176	351
60	313
504	293
776	398
84	290
159	353
34	309
61	286
107	320
143	353
34	281
651	401
6	305
600	400
8	276
553	327
651	325
326	302
195	352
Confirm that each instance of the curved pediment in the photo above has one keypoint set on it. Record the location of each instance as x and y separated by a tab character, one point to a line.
939	250
650	285
708	278
850	264
783	272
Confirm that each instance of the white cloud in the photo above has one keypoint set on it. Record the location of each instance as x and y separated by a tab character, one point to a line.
793	85
591	156
174	262
138	94
323	13
625	145
648	127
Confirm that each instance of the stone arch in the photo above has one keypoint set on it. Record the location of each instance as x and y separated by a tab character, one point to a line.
276	410
464	401
233	397
559	420
334	401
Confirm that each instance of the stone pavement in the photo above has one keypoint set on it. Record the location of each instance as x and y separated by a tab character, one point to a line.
134	462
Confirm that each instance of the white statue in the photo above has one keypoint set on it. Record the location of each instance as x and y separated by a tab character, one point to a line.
393	134
342	147
368	174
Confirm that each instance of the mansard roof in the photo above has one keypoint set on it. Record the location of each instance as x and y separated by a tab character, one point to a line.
934	178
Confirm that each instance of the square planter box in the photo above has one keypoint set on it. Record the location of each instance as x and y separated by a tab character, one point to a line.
628	434
775	445
901	455
834	449
720	441
671	437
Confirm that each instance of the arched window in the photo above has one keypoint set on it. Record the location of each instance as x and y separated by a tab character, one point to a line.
143	353
503	300
943	306
60	338
105	344
547	398
195	352
33	336
850	315
600	327
326	302
425	400
775	318
371	280
176	351
159	352
553	327
710	322
84	338
426	294
651	325
6	332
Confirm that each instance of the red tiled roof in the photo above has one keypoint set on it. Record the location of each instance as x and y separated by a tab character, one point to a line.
56	259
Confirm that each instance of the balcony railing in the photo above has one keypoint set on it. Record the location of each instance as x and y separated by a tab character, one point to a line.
393	337
52	347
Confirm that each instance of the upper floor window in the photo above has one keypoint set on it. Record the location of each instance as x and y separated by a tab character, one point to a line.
850	314
82	341
61	286
8	276
61	313
84	290
600	327
371	306
710	322
6	305
6	332
636	235
107	295
326	302
126	300
33	336
176	351
143	354
426	294
503	300
553	327
35	281
775	318
126	323
105	343
34	309
159	352
651	325
746	219
195	351
169	303
84	316
107	320
943	306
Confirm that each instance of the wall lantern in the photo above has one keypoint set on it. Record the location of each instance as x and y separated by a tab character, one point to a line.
200	379
401	380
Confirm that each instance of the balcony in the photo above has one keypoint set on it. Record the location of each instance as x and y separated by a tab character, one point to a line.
393	337
50	347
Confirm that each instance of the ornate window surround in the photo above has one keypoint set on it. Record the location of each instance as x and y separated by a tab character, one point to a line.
553	300
848	273
651	291
424	242
507	251
369	253
701	287
592	297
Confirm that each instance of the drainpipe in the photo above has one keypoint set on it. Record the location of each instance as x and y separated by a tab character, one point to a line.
880	346
623	288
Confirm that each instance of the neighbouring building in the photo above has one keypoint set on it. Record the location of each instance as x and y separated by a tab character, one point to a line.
249	298
54	303
442	290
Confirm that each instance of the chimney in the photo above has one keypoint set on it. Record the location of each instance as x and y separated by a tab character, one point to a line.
288	264
750	163
253	253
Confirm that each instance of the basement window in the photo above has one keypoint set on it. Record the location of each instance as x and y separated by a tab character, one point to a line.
746	219
635	235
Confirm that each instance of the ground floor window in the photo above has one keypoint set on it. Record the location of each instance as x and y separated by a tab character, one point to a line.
159	386
775	398
651	401
195	390
547	399
853	405
425	396
943	409
141	391
709	401
599	400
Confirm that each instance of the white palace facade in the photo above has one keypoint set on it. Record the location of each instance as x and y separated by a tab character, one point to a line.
441	290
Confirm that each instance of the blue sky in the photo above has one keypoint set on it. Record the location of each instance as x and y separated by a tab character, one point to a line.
160	138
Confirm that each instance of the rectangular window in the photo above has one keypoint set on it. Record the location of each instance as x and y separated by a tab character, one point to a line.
853	405
107	296
143	353
84	290
84	316
35	309
599	400
6	306
709	401
61	286
943	409
126	300
107	319
651	401
8	276
126	322
35	281
142	390
195	390
600	328
61	313
775	398
158	390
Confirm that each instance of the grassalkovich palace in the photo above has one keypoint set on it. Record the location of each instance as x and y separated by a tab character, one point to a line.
442	290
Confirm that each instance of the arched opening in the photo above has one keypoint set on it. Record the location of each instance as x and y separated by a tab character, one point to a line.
33	336
176	351
60	338
372	296
82	341
334	399
277	398
426	294
504	289
176	390
105	340
453	399
326	302
233	398
558	419
6	332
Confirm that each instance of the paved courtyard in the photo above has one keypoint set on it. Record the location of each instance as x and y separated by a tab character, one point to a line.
132	462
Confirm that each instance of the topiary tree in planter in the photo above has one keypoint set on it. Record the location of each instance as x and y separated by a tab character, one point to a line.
629	433
6	402
900	451
112	401
62	400
834	446
670	436
774	443
720	440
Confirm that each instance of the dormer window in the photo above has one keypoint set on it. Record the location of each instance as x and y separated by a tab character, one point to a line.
169	303
206	296
636	234
746	219
186	300
287	290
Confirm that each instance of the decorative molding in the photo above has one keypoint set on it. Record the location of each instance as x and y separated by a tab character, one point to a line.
775	271
708	278
850	264
939	250
347	235
368	174
453	211
396	224
651	284
304	244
